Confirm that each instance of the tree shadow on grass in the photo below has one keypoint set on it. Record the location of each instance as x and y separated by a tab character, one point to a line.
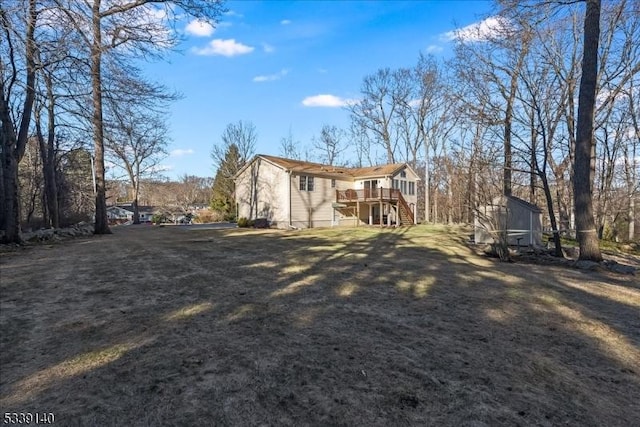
341	327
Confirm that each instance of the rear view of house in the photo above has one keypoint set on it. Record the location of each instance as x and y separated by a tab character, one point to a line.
293	193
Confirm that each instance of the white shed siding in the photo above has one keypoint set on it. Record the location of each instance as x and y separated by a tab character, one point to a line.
522	222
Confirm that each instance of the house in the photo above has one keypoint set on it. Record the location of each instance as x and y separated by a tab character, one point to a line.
521	220
124	212
294	193
119	214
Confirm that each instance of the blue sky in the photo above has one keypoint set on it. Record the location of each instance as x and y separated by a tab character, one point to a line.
269	62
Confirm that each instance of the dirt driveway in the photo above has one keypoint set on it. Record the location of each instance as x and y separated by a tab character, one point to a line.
159	326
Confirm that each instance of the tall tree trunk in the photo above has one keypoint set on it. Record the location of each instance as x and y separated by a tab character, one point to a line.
583	168
632	218
552	216
50	179
427	202
14	145
136	194
508	118
47	154
534	143
507	147
101	220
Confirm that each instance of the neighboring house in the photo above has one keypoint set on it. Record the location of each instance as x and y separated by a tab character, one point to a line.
145	213
124	212
119	214
293	193
521	220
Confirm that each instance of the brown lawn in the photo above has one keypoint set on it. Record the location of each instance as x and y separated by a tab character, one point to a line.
176	326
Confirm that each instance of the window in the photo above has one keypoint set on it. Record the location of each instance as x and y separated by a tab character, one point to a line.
396	184
412	188
306	183
403	174
403	187
333	183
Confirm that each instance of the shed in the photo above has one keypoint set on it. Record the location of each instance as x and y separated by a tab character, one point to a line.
521	220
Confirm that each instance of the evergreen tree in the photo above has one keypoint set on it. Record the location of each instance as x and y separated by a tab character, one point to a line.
223	185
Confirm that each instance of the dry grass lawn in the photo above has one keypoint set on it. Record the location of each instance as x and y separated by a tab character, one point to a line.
169	325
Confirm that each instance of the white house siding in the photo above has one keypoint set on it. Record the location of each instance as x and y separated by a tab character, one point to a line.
314	208
411	199
261	193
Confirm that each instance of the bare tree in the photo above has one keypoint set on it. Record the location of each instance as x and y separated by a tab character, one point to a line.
491	62
124	28
290	148
583	171
244	136
631	163
136	142
330	144
14	123
375	113
432	111
48	152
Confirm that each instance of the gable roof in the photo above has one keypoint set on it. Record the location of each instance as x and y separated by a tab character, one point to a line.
525	204
504	199
306	167
338	172
380	170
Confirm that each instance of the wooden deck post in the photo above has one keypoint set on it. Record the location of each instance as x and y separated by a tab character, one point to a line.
357	213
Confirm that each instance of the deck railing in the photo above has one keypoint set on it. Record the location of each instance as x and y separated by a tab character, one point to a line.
368	195
378	194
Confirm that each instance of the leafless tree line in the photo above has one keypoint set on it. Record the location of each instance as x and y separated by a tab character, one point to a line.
540	102
68	76
502	116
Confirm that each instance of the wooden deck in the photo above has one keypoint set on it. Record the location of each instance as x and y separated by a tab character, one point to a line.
368	195
378	195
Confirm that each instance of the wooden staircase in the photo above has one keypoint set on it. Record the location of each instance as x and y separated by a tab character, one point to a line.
405	216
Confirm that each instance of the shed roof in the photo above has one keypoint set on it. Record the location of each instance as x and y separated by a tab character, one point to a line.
502	200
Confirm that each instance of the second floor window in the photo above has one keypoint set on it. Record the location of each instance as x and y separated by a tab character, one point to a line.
412	188
333	183
306	183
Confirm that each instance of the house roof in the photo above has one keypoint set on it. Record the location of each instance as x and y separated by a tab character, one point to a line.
338	172
129	207
381	170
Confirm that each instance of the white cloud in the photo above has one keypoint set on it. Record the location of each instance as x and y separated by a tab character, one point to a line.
479	31
234	13
268	48
222	47
285	22
326	100
180	152
271	77
199	28
433	48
